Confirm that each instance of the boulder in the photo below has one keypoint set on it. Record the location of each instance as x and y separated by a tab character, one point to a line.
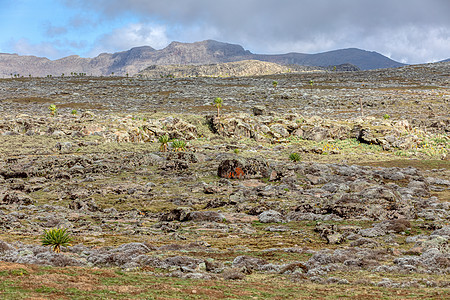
316	134
207	216
240	168
16	197
259	110
279	131
271	216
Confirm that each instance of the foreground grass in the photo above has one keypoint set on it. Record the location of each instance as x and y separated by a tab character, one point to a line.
38	282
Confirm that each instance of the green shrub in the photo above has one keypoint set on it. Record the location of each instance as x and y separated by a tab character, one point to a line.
386	116
73	112
295	157
274	83
56	238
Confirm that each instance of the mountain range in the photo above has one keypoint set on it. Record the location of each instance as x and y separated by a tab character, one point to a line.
199	53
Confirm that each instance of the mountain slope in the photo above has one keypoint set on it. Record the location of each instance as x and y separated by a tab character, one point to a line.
199	53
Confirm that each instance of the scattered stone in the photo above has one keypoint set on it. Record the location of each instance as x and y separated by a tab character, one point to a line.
271	216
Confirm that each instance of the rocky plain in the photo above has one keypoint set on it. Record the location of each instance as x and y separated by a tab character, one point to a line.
363	213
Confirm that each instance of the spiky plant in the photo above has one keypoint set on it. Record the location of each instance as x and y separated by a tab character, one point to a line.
164	140
56	238
178	145
218	103
295	157
52	109
274	83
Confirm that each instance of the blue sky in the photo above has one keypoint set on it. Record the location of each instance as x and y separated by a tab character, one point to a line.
410	31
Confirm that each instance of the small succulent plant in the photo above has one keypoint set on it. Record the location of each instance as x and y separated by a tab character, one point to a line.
56	238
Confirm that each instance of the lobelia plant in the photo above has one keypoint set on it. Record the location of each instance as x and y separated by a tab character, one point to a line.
178	145
295	157
218	103
164	141
56	238
52	109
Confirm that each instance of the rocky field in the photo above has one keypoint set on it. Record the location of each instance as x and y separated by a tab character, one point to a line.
323	185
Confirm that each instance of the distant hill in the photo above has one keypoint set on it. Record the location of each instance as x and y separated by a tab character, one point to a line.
236	68
364	60
199	53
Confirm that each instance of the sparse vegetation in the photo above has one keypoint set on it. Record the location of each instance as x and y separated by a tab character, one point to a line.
325	180
275	83
386	117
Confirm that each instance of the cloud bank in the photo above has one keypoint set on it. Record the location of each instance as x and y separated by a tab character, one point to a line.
410	31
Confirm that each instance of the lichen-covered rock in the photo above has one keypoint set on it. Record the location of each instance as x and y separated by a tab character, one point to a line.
240	168
209	216
279	131
15	197
177	214
271	216
375	202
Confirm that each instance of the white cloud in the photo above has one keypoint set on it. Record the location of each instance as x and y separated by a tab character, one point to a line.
411	44
133	35
45	49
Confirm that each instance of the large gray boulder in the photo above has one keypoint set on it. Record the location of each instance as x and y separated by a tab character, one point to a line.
271	216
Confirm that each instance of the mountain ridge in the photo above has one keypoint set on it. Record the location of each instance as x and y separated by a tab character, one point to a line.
136	59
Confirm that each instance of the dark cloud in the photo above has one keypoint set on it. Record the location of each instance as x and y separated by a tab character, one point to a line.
389	26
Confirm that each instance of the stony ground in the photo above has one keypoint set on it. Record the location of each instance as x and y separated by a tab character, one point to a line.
364	213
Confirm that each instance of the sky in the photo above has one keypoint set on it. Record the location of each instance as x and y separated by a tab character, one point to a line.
408	31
